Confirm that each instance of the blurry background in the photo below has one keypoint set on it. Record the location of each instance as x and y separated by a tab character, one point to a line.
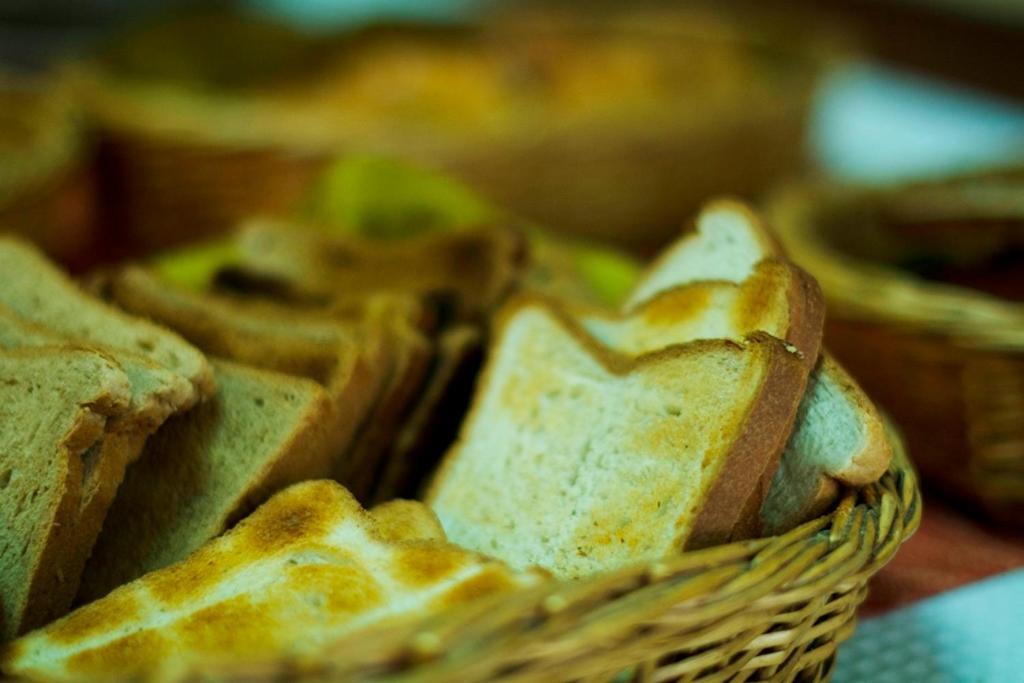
130	128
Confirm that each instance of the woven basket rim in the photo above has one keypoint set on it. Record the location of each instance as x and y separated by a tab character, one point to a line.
559	623
261	120
874	292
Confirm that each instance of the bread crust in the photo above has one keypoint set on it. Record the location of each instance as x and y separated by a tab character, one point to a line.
155	342
731	507
359	468
802	330
434	421
349	354
806	328
873	460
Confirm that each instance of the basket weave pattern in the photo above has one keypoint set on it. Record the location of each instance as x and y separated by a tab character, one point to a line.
164	192
946	362
769	609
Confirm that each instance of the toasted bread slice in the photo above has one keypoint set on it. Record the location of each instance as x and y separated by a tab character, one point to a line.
730	245
579	459
204	470
479	266
775	298
54	418
35	290
718	280
412	353
726	243
309	566
433	424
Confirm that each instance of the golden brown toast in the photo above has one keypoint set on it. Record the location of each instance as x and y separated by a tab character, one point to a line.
580	459
307	567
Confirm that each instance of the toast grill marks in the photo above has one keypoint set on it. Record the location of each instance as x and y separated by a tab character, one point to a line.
55	416
36	291
204	470
475	268
308	566
673	444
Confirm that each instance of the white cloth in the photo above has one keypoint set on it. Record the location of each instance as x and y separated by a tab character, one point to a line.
974	634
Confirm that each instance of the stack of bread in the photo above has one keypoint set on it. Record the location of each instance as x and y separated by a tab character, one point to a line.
703	411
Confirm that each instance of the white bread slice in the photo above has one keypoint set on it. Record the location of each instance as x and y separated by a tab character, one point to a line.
308	566
37	291
206	469
57	402
731	245
580	460
725	243
839	434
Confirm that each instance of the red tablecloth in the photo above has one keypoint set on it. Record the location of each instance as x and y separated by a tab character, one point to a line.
948	550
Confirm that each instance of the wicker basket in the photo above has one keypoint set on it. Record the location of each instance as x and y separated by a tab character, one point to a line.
46	185
946	361
182	159
769	609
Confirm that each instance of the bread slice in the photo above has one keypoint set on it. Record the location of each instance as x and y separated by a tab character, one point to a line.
721	280
351	358
156	394
478	266
580	460
53	417
308	566
252	331
206	469
776	298
433	424
839	437
412	354
37	291
725	243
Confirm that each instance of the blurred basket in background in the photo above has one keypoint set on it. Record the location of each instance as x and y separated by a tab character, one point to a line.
46	183
611	126
768	609
925	286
